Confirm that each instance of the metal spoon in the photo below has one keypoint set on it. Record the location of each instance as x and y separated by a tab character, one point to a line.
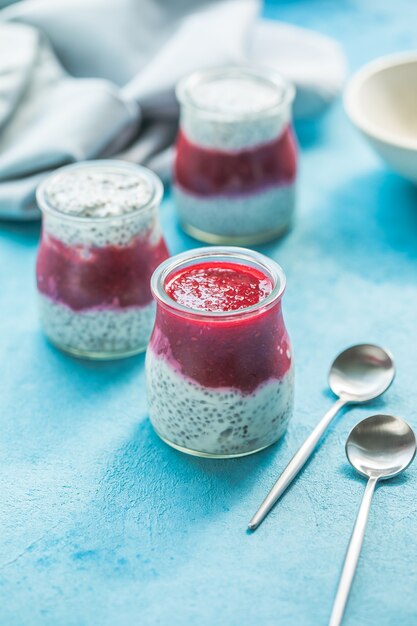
359	374
379	447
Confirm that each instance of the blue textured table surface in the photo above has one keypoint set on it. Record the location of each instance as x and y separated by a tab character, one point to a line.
103	524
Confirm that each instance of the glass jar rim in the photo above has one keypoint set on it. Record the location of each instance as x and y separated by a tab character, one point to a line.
262	75
229	253
108	164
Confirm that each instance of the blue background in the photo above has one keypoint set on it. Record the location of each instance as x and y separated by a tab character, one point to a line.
101	523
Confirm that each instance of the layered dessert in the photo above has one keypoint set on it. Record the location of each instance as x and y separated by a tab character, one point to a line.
100	244
236	157
219	367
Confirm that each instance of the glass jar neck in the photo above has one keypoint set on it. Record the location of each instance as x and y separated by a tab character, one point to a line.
148	205
226	88
120	221
218	254
228	119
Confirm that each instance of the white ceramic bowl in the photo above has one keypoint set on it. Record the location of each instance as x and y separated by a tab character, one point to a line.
381	100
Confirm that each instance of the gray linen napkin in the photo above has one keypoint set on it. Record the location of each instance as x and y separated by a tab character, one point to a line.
84	79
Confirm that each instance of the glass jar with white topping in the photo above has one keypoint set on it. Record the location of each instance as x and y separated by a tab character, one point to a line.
101	241
236	157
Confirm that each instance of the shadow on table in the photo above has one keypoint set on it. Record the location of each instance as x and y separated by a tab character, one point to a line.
219	474
75	369
21	232
310	132
155	501
373	227
378	405
348	472
183	487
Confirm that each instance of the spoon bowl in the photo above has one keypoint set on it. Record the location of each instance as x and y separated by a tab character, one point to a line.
361	373
381	446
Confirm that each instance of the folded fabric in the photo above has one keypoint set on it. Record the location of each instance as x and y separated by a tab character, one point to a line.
84	79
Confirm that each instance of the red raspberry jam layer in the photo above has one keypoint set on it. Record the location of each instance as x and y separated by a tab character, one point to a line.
205	171
238	352
112	276
218	287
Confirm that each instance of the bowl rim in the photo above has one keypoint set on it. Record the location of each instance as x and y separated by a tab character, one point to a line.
354	111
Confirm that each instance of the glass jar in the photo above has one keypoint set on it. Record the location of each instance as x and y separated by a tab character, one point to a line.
101	241
219	384
236	157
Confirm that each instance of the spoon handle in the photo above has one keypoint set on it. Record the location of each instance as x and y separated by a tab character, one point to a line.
295	465
352	555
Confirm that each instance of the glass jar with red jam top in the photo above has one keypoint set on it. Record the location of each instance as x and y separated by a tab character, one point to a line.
236	157
219	366
101	241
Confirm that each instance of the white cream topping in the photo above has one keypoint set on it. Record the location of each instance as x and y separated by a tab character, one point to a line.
236	95
98	192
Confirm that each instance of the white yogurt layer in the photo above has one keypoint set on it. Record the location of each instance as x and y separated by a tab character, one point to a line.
256	216
97	192
232	136
97	332
234	111
215	421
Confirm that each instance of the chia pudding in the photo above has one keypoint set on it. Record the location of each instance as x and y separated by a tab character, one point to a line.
219	365
100	243
236	157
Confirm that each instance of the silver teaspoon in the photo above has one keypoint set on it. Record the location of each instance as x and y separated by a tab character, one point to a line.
379	447
359	374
